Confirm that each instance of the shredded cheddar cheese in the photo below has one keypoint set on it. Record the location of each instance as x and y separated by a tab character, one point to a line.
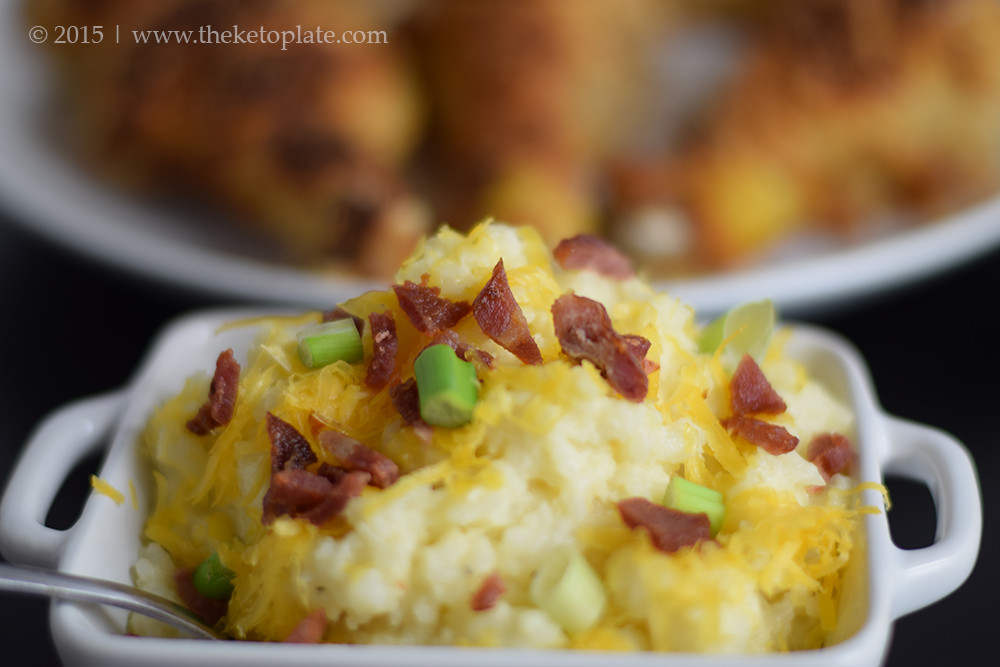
105	488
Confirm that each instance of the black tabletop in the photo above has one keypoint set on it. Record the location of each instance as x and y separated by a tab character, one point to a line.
70	328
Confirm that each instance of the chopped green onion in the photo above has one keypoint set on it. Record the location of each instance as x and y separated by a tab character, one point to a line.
692	498
567	589
446	386
746	329
213	579
325	343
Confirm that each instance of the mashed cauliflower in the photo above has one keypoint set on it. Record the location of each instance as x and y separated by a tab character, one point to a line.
550	451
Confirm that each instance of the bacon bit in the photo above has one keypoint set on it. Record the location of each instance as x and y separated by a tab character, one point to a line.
302	494
406	400
585	332
221	403
428	312
309	630
339	313
451	338
750	391
209	610
464	351
386	345
831	453
488	593
336	473
640	346
295	491
289	448
589	252
775	439
501	318
669	529
355	455
331	472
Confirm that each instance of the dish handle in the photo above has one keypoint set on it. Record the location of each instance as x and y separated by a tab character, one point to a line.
940	462
62	441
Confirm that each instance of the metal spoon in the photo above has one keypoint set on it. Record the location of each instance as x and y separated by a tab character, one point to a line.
84	589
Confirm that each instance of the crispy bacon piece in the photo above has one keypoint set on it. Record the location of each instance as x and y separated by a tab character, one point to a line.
332	472
465	351
831	453
289	448
309	630
385	347
751	393
501	318
406	400
774	438
586	251
669	529
640	346
218	409
209	610
429	312
302	494
488	593
585	332
355	455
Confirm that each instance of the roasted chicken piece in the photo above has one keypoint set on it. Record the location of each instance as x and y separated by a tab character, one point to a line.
844	115
528	98
306	144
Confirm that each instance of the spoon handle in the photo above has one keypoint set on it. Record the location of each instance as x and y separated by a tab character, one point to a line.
37	581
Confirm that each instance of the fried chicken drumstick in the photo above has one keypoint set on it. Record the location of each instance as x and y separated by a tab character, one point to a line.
306	144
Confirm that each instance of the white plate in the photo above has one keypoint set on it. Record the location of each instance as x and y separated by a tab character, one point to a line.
42	187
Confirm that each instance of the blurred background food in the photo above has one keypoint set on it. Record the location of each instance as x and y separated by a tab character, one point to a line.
842	118
701	136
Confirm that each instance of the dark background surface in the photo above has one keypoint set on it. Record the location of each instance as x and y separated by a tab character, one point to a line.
70	328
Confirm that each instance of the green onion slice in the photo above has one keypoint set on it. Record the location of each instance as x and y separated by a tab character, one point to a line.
213	579
567	589
446	385
746	329
325	343
686	496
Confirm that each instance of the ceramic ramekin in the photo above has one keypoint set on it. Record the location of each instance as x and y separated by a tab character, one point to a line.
886	583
